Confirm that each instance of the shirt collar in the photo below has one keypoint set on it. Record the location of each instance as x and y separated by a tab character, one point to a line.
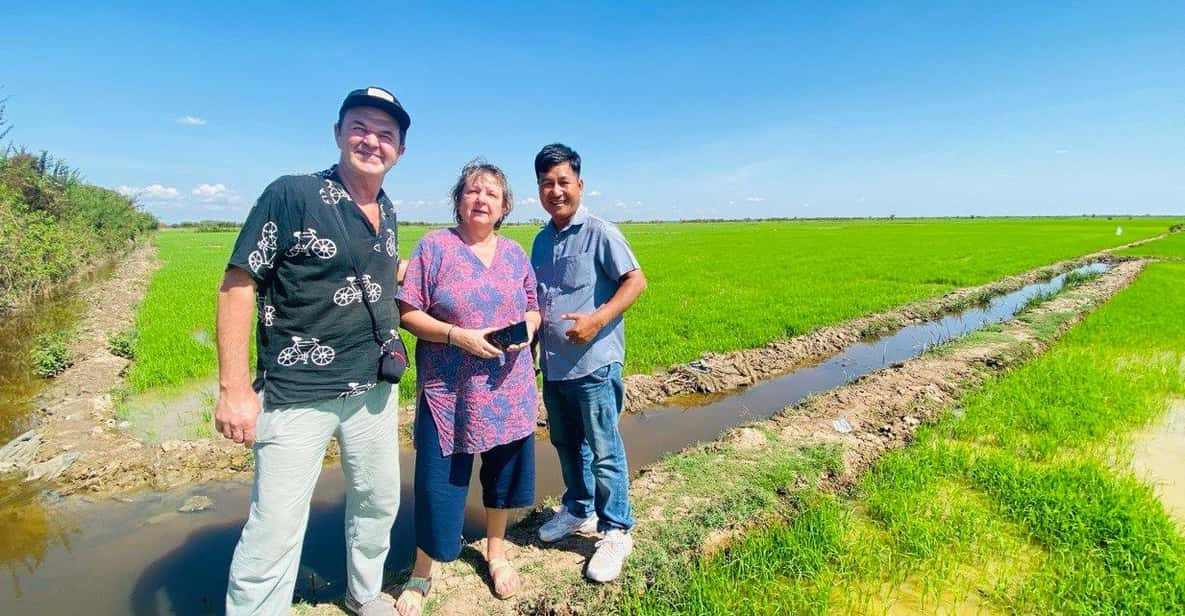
578	218
332	174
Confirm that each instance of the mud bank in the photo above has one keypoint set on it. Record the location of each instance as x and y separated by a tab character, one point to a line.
858	422
716	373
75	414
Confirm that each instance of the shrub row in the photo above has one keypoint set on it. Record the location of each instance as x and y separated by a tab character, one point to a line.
52	225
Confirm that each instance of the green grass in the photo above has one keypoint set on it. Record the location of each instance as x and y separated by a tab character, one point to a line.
713	286
1171	247
1018	502
51	353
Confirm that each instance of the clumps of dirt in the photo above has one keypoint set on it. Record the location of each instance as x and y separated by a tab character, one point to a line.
881	411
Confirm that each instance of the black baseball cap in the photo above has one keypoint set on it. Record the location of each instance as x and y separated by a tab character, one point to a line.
375	96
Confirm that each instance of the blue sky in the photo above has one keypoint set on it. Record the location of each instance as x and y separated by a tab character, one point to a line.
680	111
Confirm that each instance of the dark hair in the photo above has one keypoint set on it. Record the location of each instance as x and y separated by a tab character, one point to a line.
472	169
341	116
555	154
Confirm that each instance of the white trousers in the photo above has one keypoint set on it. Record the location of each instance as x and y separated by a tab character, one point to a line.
289	446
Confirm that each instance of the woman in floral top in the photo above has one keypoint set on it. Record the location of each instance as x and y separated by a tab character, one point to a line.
473	397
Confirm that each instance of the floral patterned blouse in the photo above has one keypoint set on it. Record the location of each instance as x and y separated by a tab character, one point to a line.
477	403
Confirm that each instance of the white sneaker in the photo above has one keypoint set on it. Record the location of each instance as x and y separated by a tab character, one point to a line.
605	564
563	524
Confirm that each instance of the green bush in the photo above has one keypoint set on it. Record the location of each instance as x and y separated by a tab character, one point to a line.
123	344
51	356
55	226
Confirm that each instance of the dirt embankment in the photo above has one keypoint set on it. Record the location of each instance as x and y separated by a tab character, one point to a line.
76	414
721	372
880	412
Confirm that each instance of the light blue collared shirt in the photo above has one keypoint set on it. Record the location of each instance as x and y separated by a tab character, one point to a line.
578	269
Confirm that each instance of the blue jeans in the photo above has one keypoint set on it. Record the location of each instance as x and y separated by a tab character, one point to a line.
582	418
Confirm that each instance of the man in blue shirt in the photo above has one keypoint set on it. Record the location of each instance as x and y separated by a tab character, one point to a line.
587	278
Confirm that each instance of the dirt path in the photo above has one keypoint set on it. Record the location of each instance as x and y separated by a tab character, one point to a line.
76	413
883	411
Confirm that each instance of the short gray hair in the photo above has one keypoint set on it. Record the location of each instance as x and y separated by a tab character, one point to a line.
472	169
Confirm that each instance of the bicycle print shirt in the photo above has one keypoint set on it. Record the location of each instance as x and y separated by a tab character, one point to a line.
476	404
314	337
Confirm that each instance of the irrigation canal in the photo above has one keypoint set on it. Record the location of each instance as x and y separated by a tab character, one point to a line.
144	557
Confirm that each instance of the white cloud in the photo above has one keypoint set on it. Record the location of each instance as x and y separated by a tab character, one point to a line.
528	201
754	199
189	120
1062	151
210	191
152	192
594	193
215	194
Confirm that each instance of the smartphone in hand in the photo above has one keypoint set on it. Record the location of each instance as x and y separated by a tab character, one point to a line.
509	335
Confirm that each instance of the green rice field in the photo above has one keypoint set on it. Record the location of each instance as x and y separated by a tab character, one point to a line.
713	286
1171	247
1023	501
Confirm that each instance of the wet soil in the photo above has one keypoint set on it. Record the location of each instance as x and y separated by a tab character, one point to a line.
883	410
1158	457
76	413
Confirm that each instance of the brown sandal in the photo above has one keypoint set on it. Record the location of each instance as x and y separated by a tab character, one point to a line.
411	600
505	578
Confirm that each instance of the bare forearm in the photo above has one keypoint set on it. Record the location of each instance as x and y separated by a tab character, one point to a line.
236	305
424	326
632	285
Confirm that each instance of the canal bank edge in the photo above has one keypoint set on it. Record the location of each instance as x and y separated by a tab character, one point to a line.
75	413
881	411
113	462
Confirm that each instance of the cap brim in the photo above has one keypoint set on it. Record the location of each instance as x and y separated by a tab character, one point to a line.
363	100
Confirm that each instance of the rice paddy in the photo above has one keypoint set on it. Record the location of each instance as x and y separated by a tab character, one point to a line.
1020	501
713	286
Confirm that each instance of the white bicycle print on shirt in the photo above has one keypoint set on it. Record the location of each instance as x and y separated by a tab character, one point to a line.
307	241
331	194
266	254
357	389
353	293
305	350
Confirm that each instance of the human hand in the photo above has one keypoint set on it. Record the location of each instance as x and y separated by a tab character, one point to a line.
473	341
584	327
235	414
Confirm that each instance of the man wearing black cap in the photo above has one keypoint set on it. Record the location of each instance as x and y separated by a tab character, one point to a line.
307	272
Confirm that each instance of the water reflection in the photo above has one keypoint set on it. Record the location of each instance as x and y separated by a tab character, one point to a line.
31	529
19	331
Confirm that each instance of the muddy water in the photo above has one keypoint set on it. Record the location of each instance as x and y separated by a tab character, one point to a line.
1159	459
18	333
145	558
30	529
